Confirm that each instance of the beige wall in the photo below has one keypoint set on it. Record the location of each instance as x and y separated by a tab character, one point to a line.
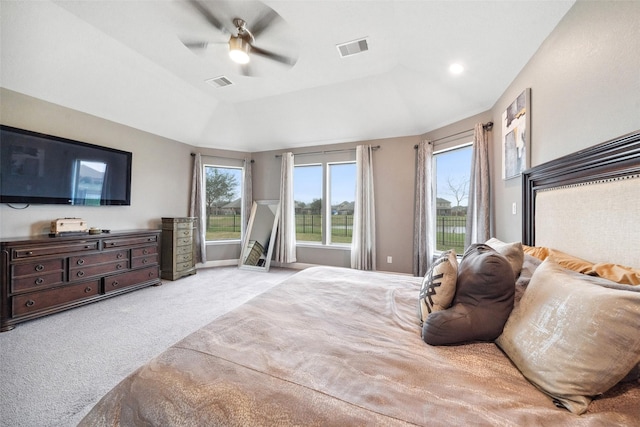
161	171
394	170
585	89
584	82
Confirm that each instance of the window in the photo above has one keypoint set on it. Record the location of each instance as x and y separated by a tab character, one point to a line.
324	213
342	198
307	196
223	202
453	173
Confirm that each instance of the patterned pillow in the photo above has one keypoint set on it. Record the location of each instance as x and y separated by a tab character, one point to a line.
439	285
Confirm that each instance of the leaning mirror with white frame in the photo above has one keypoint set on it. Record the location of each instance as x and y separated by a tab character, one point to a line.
260	235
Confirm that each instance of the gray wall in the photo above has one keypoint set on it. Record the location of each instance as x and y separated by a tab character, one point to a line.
161	172
584	82
585	89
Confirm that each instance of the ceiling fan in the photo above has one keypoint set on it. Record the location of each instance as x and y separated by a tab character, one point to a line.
242	40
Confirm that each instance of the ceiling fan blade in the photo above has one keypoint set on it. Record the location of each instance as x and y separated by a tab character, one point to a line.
287	60
263	22
210	17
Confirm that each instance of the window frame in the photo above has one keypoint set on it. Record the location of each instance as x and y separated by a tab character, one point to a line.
226	165
325	159
445	148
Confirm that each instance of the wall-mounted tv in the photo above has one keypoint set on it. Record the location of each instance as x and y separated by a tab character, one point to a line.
44	169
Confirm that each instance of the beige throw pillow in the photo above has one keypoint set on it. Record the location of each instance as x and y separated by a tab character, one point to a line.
573	336
513	252
439	285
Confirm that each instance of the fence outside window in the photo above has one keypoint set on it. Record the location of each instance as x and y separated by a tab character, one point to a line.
450	232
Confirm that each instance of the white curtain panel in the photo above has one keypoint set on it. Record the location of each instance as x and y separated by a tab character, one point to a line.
196	209
478	214
363	243
247	193
286	234
424	210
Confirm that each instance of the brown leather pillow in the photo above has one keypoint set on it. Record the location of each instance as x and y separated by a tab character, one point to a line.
483	301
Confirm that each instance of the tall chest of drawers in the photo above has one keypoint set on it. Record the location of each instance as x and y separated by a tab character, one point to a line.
46	275
178	258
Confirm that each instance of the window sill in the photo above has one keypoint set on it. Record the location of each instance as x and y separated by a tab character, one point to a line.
321	246
223	242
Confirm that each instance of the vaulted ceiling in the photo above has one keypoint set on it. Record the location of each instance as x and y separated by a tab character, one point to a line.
126	61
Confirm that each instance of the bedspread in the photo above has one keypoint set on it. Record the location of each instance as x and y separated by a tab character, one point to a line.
333	346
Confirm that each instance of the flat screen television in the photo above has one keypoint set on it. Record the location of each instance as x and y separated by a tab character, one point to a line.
44	169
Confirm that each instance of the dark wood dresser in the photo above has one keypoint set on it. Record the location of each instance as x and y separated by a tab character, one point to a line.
178	258
45	275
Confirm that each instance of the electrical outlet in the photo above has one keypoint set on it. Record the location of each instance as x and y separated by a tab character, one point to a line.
389	260
513	208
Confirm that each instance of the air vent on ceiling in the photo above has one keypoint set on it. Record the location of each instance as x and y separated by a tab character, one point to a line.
352	48
221	81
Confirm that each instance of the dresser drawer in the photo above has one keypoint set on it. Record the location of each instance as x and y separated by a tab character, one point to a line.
37	281
147	250
181	250
55	249
184	224
144	261
182	233
76	274
120	281
99	258
38	267
184	257
37	301
185	241
181	266
129	241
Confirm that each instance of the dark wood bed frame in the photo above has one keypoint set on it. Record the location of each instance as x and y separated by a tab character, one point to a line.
614	159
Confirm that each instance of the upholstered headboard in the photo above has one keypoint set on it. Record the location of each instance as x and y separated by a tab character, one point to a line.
587	203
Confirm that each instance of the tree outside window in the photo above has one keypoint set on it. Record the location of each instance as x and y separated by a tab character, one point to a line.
453	173
223	199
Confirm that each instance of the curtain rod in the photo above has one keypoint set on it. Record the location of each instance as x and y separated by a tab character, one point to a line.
327	151
485	126
222	157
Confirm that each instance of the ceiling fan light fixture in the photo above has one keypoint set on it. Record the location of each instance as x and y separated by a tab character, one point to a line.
239	50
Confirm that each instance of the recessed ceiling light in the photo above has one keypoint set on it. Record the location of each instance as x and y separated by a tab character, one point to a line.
456	68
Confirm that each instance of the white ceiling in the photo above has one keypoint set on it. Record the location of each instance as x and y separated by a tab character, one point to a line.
124	61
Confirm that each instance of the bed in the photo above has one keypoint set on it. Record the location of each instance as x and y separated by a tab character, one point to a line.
334	346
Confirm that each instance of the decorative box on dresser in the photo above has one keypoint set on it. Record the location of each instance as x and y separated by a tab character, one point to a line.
177	248
46	275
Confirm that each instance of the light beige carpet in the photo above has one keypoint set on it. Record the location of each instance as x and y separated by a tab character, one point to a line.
54	369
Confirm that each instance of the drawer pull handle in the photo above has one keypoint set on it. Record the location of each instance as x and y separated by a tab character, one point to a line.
144	261
39	281
80	273
151	239
39	267
119	266
186	233
30	303
29	252
112	244
80	261
115	283
87	289
151	274
145	252
120	255
88	247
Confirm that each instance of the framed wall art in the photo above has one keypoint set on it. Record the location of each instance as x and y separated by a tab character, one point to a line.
516	136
